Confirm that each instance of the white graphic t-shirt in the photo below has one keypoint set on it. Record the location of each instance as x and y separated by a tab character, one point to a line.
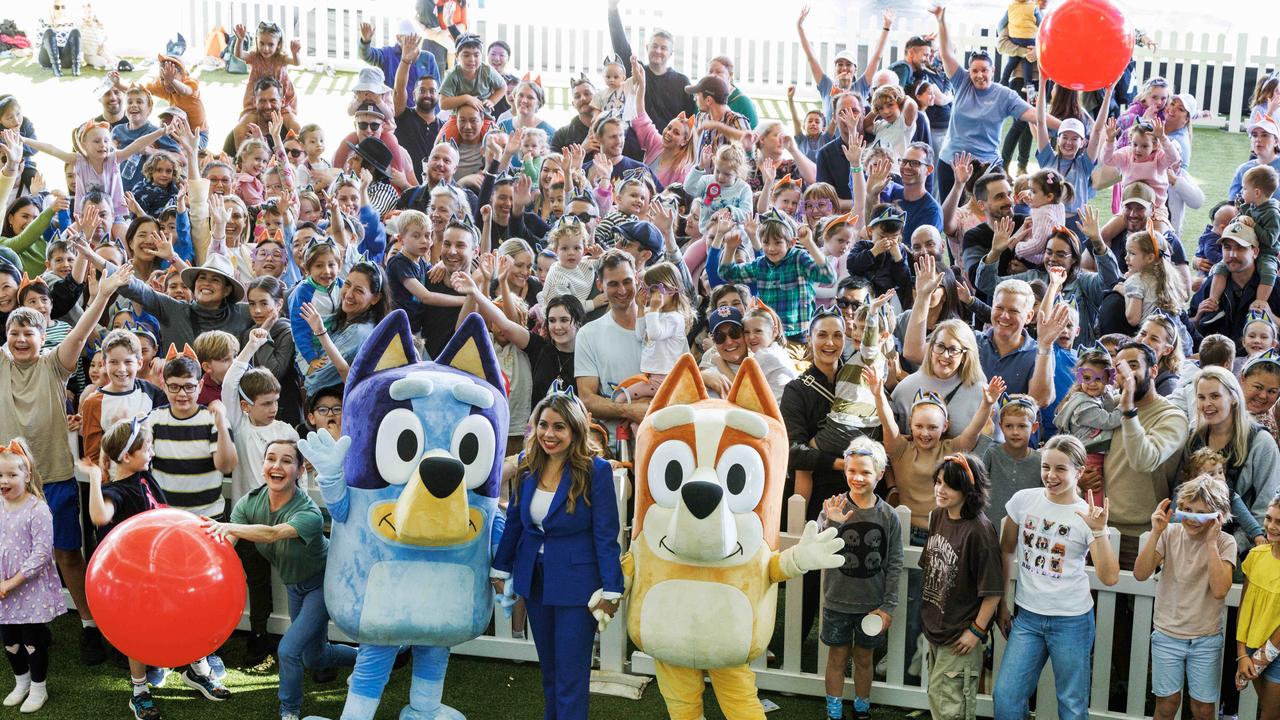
1052	542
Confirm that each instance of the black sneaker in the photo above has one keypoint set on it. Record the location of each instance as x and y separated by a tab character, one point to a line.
143	707
861	714
324	675
205	685
92	651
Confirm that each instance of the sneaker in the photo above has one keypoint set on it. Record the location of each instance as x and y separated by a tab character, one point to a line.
92	651
861	714
322	676
205	686
217	668
156	676
143	707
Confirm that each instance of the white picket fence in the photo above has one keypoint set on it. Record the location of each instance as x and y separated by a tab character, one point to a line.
1218	69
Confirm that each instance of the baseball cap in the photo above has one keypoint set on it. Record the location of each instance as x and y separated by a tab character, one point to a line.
711	85
1072	125
643	233
369	109
173	111
725	314
1188	101
1139	192
1268	125
1241	232
848	56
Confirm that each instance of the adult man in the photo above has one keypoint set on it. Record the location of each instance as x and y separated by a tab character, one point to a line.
846	65
1007	350
913	195
112	103
716	124
1239	245
607	350
1143	452
417	124
389	58
576	132
368	120
833	163
471	130
267	98
1139	210
664	95
995	199
440	168
927	240
609	162
458	248
724	326
914	67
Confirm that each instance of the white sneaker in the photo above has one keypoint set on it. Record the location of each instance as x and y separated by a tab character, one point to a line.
36	698
19	692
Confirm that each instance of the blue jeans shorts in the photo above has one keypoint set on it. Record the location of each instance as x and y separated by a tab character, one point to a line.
839	628
1195	663
1272	673
64	503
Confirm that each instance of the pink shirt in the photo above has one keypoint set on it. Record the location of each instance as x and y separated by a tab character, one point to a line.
1150	171
651	141
1043	220
108	182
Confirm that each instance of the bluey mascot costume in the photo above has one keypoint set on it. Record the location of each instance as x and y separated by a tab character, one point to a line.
704	562
412	487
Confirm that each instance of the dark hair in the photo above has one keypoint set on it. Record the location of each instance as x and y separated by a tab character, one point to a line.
1148	355
981	184
611	259
40	288
1055	185
975	487
182	366
134	226
1065	103
297	452
891	225
265	83
22	202
378	283
571	305
742	291
853	282
97	198
270	285
314	398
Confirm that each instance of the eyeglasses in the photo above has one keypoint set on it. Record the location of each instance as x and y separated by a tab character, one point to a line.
1058	255
911	163
187	389
370	126
294	152
947	350
268	255
656	288
817	204
1089	376
328	411
719	336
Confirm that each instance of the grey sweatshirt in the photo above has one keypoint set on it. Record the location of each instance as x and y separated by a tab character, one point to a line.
872	552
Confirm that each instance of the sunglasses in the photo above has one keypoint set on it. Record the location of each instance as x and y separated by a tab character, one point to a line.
372	126
294	152
1089	376
719	336
848	303
583	217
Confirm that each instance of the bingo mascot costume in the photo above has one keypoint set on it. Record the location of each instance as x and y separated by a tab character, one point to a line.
704	562
412	487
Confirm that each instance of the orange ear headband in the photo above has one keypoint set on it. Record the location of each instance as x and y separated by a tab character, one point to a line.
186	352
14	447
535	80
784	180
28	282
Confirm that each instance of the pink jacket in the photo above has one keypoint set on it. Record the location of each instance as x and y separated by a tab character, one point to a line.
651	141
1150	171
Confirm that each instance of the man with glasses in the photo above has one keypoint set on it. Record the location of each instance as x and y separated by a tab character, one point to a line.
913	195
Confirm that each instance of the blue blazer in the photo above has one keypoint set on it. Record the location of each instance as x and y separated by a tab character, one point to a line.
582	552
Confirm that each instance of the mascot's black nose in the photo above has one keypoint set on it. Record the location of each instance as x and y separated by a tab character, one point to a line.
441	475
701	497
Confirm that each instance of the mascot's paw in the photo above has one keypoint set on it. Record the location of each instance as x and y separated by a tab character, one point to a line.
507	600
443	712
815	551
602	618
326	455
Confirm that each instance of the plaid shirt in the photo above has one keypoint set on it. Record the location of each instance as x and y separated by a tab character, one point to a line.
787	286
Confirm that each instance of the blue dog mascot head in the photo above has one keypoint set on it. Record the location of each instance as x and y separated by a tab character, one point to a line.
409	562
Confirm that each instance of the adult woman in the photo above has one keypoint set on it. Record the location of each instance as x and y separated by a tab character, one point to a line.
979	109
1048	532
669	155
947	300
951	369
1062	254
24	227
365	301
59	41
1183	192
560	548
1164	336
1264	142
230	211
1223	424
1076	154
519	281
722	67
265	298
530	98
772	139
149	247
287	527
730	347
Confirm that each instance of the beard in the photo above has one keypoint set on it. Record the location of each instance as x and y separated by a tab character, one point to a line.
425	106
1141	388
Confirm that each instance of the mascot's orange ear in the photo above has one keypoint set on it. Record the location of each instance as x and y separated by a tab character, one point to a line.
751	391
683	385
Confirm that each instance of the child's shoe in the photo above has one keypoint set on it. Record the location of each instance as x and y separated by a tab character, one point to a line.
206	686
143	707
156	676
20	690
35	698
217	668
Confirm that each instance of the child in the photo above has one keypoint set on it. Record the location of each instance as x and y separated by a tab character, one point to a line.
1196	559
835	233
853	411
30	592
819	200
1213	463
763	331
122	395
859	595
252	159
128	448
1022	21
159	186
1261	212
269	60
572	274
785	195
1049	191
176	87
1208	247
184	432
321	290
632	201
963	583
812	135
1012	465
471	82
1147	159
407	269
618	96
884	258
544	262
215	349
662	320
724	190
35	295
1257	637
894	124
1258	336
1154	284
1091	409
312	138
784	275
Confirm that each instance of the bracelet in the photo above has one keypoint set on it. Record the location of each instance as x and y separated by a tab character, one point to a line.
1130	414
321	334
973	628
1098	533
887	29
856	169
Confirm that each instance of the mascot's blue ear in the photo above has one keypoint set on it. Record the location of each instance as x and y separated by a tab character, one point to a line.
390	345
471	351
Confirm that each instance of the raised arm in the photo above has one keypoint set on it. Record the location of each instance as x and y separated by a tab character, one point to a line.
965	441
796	125
492	314
892	437
141	144
410	49
949	61
1100	124
873	61
928	279
815	67
962	166
1042	127
46	148
73	344
1049	327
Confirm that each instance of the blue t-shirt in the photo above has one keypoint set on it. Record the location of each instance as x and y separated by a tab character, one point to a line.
1078	171
925	211
977	116
825	84
399	269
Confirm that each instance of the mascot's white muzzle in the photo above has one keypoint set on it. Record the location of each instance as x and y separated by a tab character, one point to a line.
702	528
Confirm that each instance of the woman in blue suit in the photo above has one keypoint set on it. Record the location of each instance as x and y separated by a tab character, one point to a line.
559	547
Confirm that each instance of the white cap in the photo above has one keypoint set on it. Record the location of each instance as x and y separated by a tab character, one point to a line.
408	27
371	80
1190	103
846	55
1072	125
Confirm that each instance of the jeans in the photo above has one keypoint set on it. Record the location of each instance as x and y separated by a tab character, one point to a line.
306	644
1067	642
56	58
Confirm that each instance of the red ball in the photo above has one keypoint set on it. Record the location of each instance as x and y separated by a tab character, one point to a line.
164	592
1084	44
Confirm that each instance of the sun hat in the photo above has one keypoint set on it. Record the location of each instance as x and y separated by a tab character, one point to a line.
219	265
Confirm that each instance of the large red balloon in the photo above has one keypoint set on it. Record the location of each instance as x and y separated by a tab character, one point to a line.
163	591
1084	44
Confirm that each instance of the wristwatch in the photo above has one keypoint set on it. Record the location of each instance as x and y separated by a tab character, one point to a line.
1130	413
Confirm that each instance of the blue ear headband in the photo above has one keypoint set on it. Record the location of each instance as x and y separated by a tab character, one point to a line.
561	389
928	397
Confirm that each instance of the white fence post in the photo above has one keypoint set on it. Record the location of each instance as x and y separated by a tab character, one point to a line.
1237	83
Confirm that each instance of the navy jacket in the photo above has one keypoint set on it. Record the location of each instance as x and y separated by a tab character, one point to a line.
581	552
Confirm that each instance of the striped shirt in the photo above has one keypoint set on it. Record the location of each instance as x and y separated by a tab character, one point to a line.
577	281
183	463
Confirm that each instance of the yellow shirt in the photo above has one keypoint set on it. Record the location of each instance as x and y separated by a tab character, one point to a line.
1260	607
1022	20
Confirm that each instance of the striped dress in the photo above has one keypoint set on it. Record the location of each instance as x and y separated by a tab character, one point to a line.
183	464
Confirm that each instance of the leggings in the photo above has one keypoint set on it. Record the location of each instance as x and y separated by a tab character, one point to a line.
27	647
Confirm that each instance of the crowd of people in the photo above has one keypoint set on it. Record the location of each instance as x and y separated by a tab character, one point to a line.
944	327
